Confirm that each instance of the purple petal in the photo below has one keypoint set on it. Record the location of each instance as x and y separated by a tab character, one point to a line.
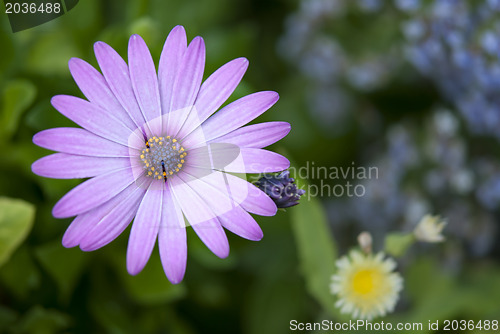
213	236
95	88
256	201
214	92
92	193
92	118
170	59
77	230
68	166
80	142
256	135
85	223
221	156
218	199
144	230
193	206
172	239
116	72
234	115
256	160
243	193
241	223
144	81
187	84
213	156
120	213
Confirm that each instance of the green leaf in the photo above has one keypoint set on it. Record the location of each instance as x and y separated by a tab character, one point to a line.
147	29
17	96
20	275
396	244
64	265
269	309
16	220
51	52
7	318
43	321
150	286
316	248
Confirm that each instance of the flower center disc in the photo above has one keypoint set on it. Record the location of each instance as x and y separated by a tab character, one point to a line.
363	281
162	157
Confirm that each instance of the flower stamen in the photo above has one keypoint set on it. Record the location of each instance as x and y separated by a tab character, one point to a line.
162	154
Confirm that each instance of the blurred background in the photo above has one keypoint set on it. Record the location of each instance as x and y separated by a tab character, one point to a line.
410	87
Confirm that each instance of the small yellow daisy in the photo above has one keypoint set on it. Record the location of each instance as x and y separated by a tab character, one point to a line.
366	285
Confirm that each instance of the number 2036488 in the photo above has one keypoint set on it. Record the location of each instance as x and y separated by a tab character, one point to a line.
482	325
32	8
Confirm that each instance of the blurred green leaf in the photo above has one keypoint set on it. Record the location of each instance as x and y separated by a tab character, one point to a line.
64	265
199	252
147	28
106	304
16	220
20	274
437	294
17	95
396	243
270	308
40	320
7	318
51	52
150	286
316	248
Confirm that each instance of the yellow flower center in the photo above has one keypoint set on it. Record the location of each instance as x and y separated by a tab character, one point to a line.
364	281
162	157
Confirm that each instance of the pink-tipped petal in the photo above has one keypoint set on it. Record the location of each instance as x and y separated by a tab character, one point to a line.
68	166
256	135
144	81
172	239
79	142
144	230
170	59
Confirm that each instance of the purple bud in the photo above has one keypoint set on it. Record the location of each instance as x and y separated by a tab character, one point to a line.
281	188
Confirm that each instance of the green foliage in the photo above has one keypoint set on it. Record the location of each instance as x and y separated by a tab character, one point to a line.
396	243
16	220
17	95
20	275
150	286
65	266
42	321
316	249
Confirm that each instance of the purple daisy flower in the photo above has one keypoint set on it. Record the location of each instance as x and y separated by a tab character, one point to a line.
156	152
